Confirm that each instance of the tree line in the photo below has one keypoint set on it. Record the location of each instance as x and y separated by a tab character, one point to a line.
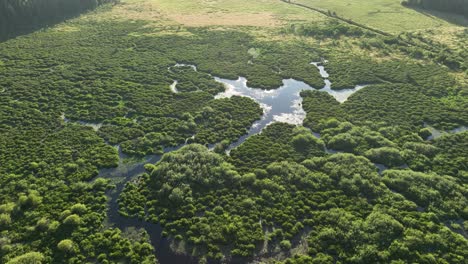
21	16
452	6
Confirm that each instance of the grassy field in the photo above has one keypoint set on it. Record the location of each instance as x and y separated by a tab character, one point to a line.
196	13
265	18
386	15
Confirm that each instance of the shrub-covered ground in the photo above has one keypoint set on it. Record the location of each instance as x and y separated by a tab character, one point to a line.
329	207
282	195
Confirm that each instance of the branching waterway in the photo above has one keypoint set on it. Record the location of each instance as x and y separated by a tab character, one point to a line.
283	104
280	105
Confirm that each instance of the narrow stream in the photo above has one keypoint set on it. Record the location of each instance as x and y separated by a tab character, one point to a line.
126	172
94	126
281	105
436	133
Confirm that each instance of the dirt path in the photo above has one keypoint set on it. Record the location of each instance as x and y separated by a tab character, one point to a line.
401	41
331	15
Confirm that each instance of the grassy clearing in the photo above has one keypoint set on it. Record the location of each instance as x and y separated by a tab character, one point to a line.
201	13
387	15
266	12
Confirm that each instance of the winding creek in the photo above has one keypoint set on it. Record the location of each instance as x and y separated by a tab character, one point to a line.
436	133
94	126
126	172
281	105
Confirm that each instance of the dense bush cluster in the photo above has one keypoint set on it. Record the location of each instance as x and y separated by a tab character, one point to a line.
330	29
282	191
336	204
278	142
320	106
129	92
404	105
346	72
396	146
226	119
409	105
53	84
452	156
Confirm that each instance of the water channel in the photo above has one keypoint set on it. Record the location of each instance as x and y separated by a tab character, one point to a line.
436	133
126	172
281	105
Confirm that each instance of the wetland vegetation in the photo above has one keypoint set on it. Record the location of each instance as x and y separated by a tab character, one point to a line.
233	132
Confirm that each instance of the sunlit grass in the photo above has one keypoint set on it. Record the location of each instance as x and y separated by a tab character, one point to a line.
387	15
196	13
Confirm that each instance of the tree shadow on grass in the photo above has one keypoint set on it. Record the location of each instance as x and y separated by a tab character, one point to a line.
451	18
41	22
25	29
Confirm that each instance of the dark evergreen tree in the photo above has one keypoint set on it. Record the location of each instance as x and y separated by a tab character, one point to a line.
452	6
21	16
